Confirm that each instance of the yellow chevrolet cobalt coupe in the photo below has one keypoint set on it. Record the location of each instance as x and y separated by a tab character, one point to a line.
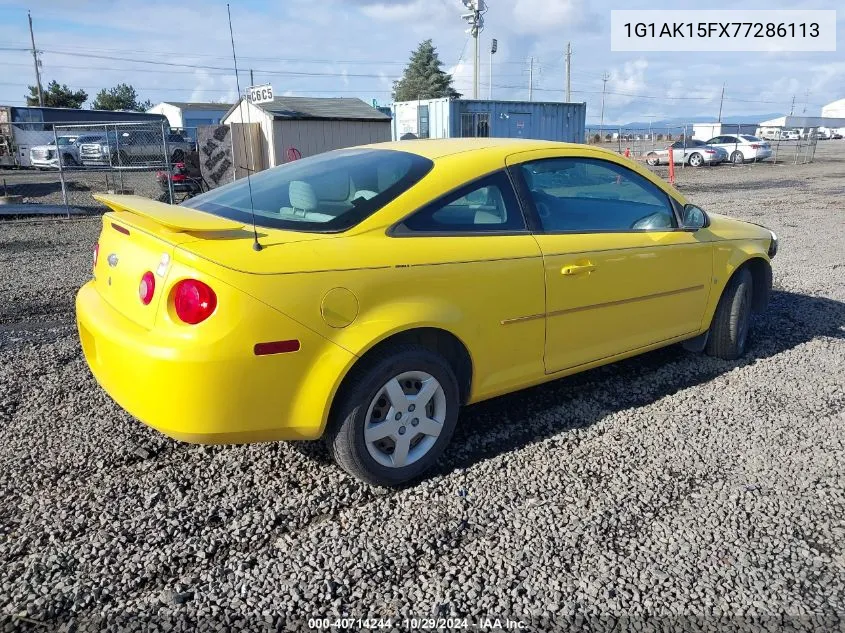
381	288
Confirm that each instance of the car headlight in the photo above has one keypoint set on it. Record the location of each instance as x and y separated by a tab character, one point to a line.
773	245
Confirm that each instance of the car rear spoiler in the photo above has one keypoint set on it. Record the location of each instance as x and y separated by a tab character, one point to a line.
175	218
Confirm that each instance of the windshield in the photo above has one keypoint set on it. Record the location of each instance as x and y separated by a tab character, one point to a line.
66	140
750	139
324	193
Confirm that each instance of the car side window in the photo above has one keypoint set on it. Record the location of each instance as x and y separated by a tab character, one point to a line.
484	206
584	195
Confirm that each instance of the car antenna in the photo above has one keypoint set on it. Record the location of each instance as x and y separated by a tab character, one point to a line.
255	244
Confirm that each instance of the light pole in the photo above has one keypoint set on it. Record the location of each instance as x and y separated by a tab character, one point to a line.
494	45
476	23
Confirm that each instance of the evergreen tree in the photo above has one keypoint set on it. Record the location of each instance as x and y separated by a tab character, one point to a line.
121	97
424	77
57	96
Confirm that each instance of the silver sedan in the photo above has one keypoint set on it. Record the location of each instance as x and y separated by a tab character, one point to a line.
691	152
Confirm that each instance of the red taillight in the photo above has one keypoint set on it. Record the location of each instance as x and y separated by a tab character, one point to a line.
147	288
193	301
96	253
710	151
755	146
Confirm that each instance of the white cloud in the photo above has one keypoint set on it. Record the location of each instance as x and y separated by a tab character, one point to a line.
544	16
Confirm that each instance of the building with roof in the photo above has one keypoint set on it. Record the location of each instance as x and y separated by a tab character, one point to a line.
835	109
187	115
295	127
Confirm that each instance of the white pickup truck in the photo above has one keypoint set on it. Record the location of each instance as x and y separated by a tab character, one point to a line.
47	156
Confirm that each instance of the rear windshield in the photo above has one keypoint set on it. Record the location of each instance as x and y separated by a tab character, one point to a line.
750	139
325	193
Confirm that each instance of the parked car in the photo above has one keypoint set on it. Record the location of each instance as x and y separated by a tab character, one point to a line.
126	148
790	135
742	147
48	156
692	152
385	286
823	135
836	135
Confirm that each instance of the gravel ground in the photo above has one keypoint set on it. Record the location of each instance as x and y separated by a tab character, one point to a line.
671	490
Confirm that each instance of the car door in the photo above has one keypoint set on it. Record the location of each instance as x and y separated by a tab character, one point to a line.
620	275
471	249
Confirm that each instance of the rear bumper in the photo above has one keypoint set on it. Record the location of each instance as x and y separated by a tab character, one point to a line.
214	392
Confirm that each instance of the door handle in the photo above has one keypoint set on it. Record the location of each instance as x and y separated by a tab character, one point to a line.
577	269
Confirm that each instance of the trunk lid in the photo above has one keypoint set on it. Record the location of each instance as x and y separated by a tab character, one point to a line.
140	236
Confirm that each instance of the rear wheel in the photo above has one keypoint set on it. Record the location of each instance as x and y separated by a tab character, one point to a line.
119	159
652	159
696	160
395	416
732	321
737	157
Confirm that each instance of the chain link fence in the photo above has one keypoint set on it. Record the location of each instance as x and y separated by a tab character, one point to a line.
738	140
53	168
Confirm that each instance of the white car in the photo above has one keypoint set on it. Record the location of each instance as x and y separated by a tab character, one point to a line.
790	135
47	157
692	152
742	147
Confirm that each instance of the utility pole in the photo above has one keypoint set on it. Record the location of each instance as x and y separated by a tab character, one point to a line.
604	78
720	103
494	46
475	68
568	72
251	78
806	99
476	23
792	107
530	79
35	60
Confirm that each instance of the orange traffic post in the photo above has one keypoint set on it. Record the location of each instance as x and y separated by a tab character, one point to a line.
671	167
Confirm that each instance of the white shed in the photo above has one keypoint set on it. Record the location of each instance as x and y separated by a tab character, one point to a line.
294	127
188	116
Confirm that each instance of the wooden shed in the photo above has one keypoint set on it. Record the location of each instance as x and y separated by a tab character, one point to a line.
292	127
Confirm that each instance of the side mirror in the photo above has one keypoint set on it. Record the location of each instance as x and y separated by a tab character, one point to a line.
694	218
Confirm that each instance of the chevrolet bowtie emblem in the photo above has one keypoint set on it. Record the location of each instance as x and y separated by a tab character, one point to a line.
112	259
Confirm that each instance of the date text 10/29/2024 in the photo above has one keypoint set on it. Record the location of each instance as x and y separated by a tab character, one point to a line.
490	624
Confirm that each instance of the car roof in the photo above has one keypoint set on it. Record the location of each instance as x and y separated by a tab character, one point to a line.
438	148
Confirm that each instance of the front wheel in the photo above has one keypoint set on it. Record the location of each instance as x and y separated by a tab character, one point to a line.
652	159
696	160
737	158
395	416
732	321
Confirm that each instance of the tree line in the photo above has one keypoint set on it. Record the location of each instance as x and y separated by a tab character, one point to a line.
121	97
423	78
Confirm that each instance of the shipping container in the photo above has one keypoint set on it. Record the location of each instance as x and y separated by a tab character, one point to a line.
455	118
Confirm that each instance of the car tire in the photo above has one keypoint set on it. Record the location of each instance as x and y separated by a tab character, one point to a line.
119	159
178	156
652	159
696	159
729	330
737	157
69	161
357	437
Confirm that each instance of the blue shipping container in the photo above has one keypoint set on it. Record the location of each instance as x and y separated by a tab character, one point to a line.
453	118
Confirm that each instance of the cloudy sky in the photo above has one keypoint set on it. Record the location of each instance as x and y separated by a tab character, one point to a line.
180	51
